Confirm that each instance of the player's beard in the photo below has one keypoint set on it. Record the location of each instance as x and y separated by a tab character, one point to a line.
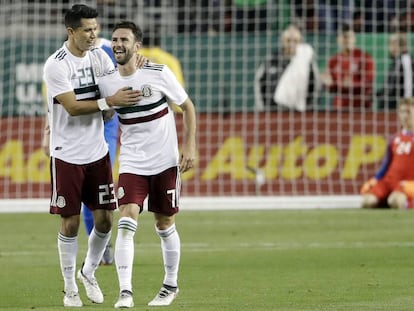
125	59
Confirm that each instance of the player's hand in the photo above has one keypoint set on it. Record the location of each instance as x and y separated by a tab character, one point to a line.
326	78
141	61
367	186
187	159
124	97
408	187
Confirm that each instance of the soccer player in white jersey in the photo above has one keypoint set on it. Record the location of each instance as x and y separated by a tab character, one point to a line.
80	165
149	163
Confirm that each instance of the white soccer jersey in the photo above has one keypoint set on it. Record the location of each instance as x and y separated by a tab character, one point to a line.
75	139
149	143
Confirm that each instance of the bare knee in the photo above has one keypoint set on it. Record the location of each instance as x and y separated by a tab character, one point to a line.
69	226
103	220
163	222
131	210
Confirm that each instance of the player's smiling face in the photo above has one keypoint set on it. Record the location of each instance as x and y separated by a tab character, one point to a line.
124	45
84	37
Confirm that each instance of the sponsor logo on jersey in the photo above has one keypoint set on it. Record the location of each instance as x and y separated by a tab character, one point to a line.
97	69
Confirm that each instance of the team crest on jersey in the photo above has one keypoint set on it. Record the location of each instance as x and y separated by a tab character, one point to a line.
121	192
97	70
60	202
146	90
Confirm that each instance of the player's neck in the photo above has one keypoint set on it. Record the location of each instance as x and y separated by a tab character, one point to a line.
74	50
127	69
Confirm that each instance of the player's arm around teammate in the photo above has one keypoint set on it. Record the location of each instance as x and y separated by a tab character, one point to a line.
123	97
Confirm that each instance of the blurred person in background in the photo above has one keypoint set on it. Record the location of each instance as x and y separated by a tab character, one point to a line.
393	184
358	22
193	16
306	15
289	78
350	74
323	16
399	81
250	15
388	15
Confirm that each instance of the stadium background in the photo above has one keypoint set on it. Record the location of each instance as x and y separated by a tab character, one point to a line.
306	158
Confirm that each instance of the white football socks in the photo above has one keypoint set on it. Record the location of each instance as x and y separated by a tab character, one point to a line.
96	247
171	250
124	252
68	249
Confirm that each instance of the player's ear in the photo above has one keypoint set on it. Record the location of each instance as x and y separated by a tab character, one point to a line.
70	31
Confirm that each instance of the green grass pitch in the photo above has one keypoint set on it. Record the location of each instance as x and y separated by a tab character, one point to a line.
233	260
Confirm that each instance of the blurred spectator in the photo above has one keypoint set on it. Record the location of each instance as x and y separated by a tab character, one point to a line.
368	15
193	16
333	13
323	15
250	15
306	15
350	74
289	78
358	22
382	15
399	80
111	11
406	21
221	16
375	13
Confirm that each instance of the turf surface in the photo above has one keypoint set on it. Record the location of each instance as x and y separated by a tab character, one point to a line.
233	260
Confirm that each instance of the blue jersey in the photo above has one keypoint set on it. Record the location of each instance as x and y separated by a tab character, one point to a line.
112	125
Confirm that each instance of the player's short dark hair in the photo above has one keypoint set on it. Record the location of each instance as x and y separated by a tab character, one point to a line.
76	13
130	25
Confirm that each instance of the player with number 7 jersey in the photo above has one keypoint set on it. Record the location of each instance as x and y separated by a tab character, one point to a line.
149	161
